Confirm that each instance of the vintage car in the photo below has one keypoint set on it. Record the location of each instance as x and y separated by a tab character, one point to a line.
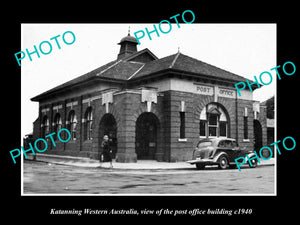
221	152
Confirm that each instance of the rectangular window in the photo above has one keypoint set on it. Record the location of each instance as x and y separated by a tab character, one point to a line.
213	119
223	128
182	124
89	130
212	131
202	128
245	127
73	131
212	125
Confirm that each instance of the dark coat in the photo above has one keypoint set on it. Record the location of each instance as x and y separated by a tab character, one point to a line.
106	152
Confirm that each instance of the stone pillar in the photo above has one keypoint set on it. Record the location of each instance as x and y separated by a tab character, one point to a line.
126	131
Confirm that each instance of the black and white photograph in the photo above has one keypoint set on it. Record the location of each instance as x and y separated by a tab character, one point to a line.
111	113
130	112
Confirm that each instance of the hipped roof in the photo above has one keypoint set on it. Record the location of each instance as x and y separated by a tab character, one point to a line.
132	68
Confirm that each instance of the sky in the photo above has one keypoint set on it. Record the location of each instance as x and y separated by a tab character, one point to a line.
244	49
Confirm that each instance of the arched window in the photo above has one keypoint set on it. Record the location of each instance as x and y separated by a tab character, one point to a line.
72	123
57	124
88	124
213	121
45	126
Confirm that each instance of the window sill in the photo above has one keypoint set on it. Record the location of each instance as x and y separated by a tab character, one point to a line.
182	139
246	140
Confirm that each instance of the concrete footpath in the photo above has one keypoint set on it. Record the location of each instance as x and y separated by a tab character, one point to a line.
140	165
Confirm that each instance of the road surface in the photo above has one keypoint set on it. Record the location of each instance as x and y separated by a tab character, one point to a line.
47	178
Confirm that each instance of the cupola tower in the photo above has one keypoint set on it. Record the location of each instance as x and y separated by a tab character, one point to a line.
128	46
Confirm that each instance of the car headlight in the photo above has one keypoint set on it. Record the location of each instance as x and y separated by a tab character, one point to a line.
196	154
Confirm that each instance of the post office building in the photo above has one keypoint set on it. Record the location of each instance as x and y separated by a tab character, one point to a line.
150	108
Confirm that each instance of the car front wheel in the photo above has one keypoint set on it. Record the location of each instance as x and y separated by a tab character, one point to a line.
223	162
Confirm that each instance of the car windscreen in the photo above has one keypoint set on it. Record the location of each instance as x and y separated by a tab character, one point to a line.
203	144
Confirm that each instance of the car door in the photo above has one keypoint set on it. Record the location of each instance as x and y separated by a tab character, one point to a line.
229	150
224	146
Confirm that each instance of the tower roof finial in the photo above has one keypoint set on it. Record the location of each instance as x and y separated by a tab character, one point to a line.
129	31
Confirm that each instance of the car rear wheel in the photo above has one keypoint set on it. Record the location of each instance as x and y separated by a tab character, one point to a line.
223	162
253	163
200	166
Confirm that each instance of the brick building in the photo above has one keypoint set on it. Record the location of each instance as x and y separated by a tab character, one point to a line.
151	108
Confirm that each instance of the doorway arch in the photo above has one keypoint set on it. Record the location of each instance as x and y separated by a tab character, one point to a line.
147	130
108	126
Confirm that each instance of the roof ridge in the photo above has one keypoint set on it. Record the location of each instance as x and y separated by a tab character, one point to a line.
127	58
174	60
136	72
102	71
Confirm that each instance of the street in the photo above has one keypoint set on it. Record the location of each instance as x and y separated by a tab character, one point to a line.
49	178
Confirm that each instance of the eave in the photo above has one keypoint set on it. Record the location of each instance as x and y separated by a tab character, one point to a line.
189	75
67	88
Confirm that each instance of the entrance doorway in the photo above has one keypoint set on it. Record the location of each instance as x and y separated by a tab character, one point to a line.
147	126
108	126
257	135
